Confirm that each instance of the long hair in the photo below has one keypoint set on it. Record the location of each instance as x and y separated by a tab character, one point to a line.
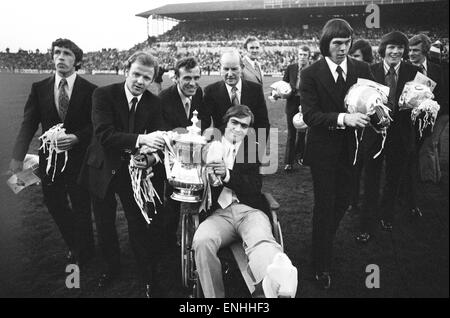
334	28
365	48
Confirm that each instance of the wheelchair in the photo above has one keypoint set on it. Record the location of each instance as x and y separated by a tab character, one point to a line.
189	224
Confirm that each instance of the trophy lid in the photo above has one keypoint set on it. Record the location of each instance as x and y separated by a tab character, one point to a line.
193	135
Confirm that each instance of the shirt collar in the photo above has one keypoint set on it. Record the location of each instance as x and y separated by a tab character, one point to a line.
332	66
238	86
252	62
387	67
184	99
70	80
131	96
229	145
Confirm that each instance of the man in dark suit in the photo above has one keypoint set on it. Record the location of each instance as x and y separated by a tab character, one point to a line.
233	90
330	146
252	70
399	147
237	211
125	117
419	49
62	98
178	103
295	144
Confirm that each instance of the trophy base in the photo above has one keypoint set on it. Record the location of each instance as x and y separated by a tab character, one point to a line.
187	196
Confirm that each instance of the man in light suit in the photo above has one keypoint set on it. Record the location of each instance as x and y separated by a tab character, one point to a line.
62	98
330	146
239	211
295	143
233	90
252	70
125	117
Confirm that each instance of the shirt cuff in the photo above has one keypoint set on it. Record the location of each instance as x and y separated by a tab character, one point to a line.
137	141
340	121
158	159
227	177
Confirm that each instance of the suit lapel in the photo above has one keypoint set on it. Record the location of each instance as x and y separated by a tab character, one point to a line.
252	70
178	105
49	96
122	105
328	82
75	99
351	74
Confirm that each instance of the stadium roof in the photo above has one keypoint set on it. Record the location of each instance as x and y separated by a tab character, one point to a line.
192	11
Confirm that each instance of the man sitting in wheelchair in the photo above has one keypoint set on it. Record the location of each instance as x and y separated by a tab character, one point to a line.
237	213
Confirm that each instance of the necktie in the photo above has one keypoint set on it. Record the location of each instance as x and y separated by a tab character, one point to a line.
63	99
340	83
258	70
234	97
422	69
226	196
131	115
297	85
391	81
187	109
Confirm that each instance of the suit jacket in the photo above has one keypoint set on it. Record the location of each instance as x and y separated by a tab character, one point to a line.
41	109
400	135
174	114
217	101
440	92
245	180
321	106
290	76
249	73
111	140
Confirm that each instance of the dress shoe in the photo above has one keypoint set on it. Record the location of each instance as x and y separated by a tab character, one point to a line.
386	225
106	279
323	279
416	212
363	237
288	168
148	291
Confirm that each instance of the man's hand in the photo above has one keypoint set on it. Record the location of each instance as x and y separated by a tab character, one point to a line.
153	140
66	142
219	168
356	120
15	166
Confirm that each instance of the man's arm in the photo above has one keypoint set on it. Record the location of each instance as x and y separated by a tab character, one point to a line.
84	134
245	180
30	123
205	109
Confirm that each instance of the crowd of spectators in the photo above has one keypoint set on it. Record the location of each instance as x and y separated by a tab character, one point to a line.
204	41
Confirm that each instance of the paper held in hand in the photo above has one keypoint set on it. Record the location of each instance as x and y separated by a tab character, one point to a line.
20	180
422	79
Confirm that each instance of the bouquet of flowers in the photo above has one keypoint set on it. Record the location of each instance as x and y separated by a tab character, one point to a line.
49	145
419	98
280	89
297	120
143	189
370	98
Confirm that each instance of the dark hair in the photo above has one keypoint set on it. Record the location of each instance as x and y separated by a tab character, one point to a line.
365	48
187	62
395	38
305	48
334	28
250	39
143	58
421	38
68	44
239	111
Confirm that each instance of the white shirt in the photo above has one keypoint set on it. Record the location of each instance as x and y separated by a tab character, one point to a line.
238	91
227	196
69	87
184	99
333	66
130	97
